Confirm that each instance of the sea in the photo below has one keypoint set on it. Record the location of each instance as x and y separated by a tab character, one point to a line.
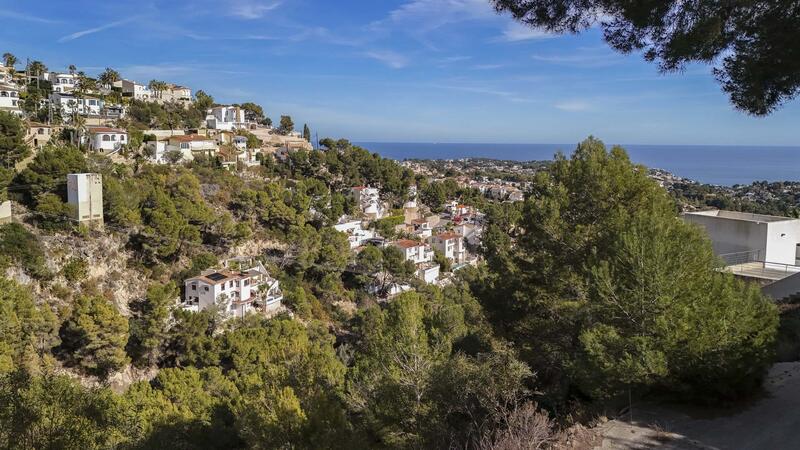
711	164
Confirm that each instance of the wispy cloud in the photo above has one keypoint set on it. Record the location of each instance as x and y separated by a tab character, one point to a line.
26	17
79	34
585	59
427	15
388	57
252	9
488	66
515	32
573	105
144	72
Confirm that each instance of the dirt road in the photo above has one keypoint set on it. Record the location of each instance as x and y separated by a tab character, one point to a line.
771	422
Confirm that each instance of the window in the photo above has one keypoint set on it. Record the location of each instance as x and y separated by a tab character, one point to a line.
184	145
106	138
205	288
3	94
113	137
40	131
194	287
122	138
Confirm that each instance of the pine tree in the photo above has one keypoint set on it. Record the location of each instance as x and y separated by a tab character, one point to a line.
306	133
94	336
12	140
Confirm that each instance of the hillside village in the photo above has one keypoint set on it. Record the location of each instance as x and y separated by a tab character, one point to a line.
154	238
103	120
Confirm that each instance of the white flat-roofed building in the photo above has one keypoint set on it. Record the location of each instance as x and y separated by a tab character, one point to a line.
225	118
737	236
192	145
9	99
69	104
107	140
451	245
85	196
135	90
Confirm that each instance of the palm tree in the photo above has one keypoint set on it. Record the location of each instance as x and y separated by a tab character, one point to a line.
109	77
72	69
9	60
36	69
157	87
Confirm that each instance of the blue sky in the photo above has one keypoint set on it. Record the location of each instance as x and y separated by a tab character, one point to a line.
392	70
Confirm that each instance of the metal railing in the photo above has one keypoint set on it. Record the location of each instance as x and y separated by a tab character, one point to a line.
751	263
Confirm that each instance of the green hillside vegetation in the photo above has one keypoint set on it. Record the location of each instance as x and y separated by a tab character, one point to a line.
590	289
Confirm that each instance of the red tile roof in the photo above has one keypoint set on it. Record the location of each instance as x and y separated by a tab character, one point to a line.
407	243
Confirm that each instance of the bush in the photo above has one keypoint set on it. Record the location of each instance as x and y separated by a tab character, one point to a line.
75	270
20	247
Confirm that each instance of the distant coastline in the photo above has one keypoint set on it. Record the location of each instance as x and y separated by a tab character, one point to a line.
712	164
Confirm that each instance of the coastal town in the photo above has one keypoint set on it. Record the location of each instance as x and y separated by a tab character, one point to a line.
228	226
69	107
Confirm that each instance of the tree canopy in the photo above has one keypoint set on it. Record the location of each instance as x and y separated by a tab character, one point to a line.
751	43
603	287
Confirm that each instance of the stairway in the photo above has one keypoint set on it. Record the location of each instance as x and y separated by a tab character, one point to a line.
784	290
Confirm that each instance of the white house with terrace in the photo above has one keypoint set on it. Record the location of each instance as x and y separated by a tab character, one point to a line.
9	99
107	140
61	82
226	118
236	290
69	104
134	90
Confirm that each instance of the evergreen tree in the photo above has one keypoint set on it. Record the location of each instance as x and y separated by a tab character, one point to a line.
604	288
12	140
286	125
148	326
94	336
306	132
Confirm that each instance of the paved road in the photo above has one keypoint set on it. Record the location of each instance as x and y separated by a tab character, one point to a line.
771	422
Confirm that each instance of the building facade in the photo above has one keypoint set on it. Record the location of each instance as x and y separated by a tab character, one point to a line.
451	245
235	291
107	140
85	196
738	236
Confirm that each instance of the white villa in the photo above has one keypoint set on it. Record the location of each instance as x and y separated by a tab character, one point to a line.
414	251
135	90
357	235
107	140
70	104
451	245
175	93
62	82
9	99
226	118
236	292
368	201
